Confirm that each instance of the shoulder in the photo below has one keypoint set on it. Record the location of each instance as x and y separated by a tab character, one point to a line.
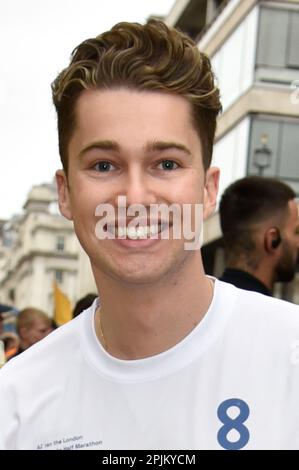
52	353
261	332
261	309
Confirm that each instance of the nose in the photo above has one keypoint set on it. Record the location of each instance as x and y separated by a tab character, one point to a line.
138	187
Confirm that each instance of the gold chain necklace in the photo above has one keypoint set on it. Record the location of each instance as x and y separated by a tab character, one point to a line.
211	282
104	342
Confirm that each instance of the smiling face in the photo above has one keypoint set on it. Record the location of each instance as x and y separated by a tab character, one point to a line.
141	145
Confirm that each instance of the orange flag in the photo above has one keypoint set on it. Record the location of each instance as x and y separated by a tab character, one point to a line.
62	306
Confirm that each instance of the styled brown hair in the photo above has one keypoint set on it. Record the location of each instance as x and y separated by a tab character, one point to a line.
143	57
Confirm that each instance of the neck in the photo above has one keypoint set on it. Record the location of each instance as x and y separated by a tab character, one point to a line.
142	320
263	271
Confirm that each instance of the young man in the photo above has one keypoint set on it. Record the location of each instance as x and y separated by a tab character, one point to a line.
260	225
171	359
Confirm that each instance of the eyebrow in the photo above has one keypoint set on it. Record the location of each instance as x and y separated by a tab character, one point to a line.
156	146
159	146
101	145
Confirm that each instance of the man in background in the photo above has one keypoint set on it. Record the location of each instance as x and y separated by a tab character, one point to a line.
32	326
260	225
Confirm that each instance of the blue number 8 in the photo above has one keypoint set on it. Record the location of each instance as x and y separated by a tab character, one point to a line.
236	423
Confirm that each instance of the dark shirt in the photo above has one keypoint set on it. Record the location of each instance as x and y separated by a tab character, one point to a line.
244	280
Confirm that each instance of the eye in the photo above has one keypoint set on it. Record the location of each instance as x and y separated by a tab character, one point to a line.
103	167
168	165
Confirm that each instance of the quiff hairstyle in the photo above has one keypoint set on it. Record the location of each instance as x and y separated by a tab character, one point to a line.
150	57
244	205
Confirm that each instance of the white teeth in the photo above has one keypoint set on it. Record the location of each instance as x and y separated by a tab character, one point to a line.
139	232
154	229
121	231
132	233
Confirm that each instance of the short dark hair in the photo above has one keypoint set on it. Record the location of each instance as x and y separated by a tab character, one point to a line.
83	304
247	202
150	57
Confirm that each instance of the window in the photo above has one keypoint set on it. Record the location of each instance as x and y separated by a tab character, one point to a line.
289	162
60	242
272	39
59	275
278	38
293	49
12	295
282	141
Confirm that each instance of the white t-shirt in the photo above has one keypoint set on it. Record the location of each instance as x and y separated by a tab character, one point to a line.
233	382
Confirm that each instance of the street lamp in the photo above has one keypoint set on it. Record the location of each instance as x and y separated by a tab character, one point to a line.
262	155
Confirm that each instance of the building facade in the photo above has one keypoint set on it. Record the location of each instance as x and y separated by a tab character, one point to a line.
254	49
38	248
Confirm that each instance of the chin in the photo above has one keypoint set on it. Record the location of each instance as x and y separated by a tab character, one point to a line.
286	275
140	276
144	268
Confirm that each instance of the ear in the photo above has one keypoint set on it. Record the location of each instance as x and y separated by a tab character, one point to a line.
63	194
272	240
210	191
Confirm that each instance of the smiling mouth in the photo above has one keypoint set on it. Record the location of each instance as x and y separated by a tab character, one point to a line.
136	233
